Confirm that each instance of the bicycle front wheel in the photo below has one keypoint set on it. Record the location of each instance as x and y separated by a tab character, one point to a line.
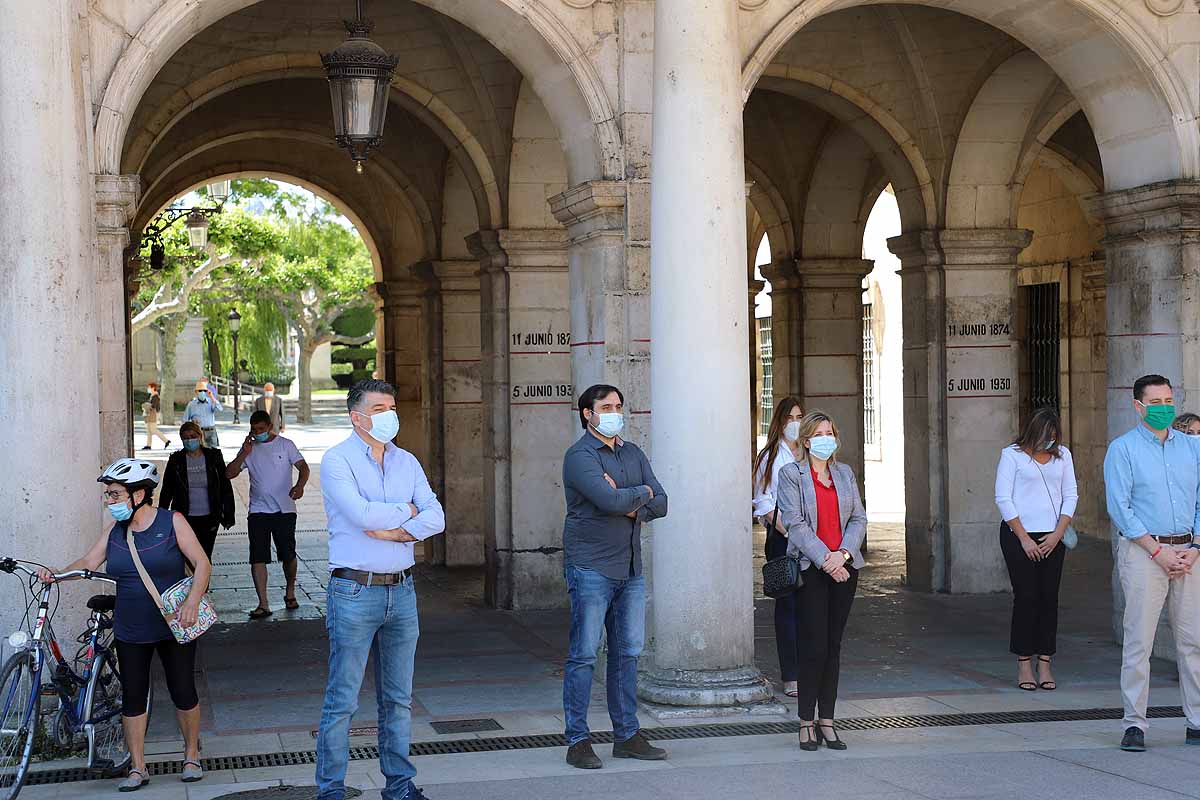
20	706
102	717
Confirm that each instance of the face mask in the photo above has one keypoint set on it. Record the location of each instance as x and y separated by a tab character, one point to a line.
822	446
120	511
1047	445
191	445
268	394
262	437
791	431
202	397
608	425
1159	418
384	426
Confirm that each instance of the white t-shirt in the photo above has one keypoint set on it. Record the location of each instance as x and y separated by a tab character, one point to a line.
270	467
764	497
1020	491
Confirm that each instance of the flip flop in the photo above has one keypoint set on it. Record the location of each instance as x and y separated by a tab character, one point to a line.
291	603
261	613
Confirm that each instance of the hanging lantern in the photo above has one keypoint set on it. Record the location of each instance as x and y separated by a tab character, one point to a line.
219	191
360	74
197	228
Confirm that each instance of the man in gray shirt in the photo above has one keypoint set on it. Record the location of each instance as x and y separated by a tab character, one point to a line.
610	491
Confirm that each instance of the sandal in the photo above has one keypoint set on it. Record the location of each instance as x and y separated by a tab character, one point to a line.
192	771
833	744
809	746
1028	686
1049	686
261	613
291	603
791	689
131	783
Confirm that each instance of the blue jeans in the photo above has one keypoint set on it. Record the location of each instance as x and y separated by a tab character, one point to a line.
601	604
380	621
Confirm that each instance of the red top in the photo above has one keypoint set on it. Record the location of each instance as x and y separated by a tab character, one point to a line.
829	519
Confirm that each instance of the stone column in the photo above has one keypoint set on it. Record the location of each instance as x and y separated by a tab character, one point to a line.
1152	252
787	327
462	421
48	299
831	296
529	418
116	202
703	611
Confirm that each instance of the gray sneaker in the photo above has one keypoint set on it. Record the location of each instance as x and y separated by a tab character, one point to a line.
1134	740
637	747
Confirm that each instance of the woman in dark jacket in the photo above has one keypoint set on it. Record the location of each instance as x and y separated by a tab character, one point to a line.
194	484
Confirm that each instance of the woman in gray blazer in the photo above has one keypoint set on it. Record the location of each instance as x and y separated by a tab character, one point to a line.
821	506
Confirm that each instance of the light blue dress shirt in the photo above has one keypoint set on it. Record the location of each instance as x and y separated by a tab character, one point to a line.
361	496
204	413
1151	486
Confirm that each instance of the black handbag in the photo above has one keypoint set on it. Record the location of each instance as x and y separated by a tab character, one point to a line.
781	576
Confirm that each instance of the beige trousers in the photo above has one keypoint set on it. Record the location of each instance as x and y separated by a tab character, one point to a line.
1147	589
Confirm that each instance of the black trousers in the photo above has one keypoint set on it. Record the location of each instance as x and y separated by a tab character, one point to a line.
824	610
179	665
786	609
1035	595
206	531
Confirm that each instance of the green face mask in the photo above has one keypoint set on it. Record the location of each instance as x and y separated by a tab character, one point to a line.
1160	417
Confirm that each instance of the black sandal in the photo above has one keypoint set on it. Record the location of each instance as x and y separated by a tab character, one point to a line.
811	745
833	744
1049	686
291	603
261	613
1029	686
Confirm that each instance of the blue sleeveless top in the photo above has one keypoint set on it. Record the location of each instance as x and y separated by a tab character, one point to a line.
136	618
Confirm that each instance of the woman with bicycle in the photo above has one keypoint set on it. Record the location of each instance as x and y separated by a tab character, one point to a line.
163	540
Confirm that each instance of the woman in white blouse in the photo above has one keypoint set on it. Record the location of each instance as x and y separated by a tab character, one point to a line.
782	448
1036	494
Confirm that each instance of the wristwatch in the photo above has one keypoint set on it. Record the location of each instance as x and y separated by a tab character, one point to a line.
846	554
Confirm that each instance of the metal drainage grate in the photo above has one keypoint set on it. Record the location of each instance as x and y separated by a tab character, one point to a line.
283	792
466	726
545	740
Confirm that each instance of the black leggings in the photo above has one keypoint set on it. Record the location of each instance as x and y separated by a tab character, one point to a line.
824	612
179	664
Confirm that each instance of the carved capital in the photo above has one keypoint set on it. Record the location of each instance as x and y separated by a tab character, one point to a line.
116	202
592	208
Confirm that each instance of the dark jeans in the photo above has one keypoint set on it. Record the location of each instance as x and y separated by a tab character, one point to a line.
600	604
206	531
786	609
824	611
1035	595
179	665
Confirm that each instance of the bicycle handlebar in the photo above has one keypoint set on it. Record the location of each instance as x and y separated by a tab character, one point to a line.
11	565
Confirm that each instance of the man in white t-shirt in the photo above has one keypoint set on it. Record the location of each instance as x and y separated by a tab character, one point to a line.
269	459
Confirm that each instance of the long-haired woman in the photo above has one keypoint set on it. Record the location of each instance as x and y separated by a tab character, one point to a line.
1036	494
822	509
782	448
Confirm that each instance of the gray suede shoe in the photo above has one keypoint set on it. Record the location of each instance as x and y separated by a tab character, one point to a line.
135	780
192	772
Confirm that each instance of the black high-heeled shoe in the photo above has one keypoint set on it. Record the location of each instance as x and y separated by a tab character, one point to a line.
811	745
833	744
1028	686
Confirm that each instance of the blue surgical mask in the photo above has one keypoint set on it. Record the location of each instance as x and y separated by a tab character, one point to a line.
262	437
202	397
1047	445
120	511
609	425
791	431
822	447
191	445
384	426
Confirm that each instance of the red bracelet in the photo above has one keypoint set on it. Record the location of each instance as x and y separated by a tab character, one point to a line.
1156	552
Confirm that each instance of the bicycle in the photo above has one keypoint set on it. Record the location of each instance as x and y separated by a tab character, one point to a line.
89	701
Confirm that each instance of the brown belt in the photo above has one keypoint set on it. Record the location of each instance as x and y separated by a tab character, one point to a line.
1183	538
372	578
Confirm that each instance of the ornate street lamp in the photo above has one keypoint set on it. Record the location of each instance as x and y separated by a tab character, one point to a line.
197	228
235	322
196	219
360	74
219	191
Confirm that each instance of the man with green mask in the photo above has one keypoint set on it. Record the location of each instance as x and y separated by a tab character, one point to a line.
1152	483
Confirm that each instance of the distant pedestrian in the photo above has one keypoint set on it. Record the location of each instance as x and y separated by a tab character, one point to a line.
379	503
826	523
1187	423
611	491
203	409
782	448
272	514
1152	483
150	411
272	405
195	485
1036	494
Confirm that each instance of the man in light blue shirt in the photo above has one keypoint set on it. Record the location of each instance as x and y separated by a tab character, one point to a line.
203	408
1152	484
378	502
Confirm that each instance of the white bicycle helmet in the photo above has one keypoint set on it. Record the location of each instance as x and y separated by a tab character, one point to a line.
133	473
